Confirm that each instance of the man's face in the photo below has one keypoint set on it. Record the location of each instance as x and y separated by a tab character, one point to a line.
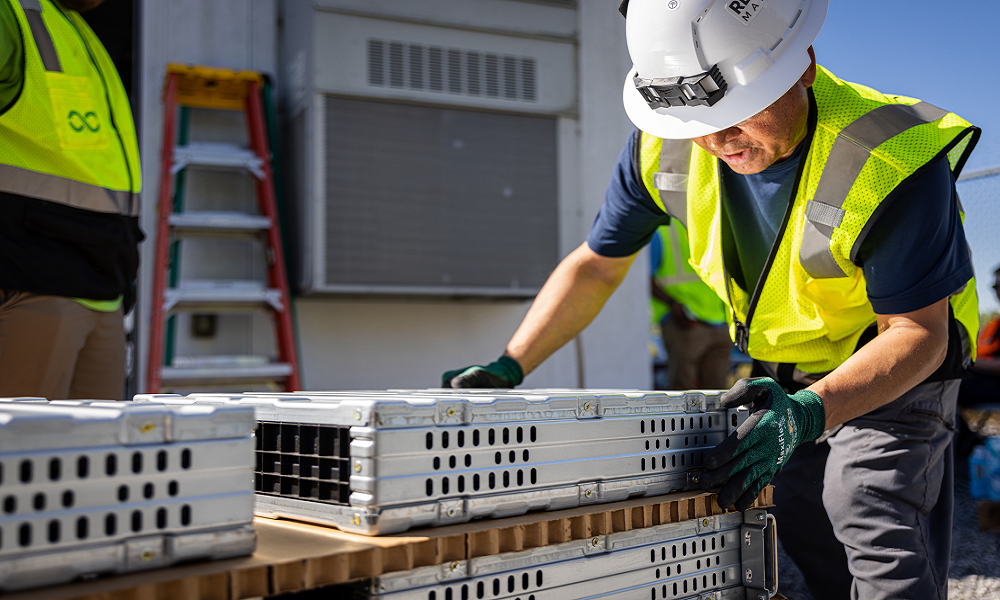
767	137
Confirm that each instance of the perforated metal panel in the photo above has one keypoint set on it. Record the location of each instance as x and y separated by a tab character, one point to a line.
112	487
425	199
385	461
702	559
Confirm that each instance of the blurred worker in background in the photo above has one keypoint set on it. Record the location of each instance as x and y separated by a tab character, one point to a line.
825	214
983	383
69	184
982	386
691	317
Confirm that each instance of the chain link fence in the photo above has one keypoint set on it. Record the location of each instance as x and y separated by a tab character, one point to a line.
979	191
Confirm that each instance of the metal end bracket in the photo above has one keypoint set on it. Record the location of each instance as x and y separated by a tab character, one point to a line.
758	553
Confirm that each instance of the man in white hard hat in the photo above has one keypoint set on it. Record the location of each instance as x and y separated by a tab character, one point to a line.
824	214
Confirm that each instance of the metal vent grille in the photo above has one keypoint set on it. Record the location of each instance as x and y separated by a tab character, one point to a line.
303	461
452	71
692	455
507	478
442	199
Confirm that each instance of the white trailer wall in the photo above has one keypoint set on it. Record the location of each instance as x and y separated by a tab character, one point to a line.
365	342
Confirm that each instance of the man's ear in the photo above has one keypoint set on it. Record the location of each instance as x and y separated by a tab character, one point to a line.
809	77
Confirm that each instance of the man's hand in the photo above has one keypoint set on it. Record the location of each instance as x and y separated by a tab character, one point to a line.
504	373
747	460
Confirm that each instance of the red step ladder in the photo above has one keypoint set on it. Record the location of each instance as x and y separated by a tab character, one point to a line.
220	89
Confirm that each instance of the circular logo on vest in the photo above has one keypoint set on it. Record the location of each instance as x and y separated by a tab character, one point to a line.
78	122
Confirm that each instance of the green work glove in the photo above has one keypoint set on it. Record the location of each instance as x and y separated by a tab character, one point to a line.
747	460
504	373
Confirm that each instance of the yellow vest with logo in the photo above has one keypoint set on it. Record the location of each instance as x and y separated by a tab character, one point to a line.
677	278
68	137
813	307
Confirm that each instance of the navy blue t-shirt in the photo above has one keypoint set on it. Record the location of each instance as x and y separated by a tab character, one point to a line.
914	255
757	202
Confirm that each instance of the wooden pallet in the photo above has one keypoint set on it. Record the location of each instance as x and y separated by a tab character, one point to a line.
293	556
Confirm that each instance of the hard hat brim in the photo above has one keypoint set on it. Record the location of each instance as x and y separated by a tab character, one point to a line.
740	102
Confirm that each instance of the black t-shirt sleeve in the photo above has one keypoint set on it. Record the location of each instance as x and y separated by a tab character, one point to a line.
915	253
627	219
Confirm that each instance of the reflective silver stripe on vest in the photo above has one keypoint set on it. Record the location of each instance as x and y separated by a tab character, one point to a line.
25	182
43	41
847	158
673	280
671	181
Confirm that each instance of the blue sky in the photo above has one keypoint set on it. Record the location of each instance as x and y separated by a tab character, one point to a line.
943	53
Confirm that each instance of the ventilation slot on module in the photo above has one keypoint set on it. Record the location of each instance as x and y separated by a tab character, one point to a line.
451	71
303	461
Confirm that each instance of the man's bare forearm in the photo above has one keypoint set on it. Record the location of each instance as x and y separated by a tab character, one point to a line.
570	299
908	349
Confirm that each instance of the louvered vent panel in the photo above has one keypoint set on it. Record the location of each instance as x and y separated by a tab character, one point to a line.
376	64
438	197
452	71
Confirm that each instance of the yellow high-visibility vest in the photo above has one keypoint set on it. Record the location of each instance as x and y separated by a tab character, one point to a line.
813	307
68	138
677	278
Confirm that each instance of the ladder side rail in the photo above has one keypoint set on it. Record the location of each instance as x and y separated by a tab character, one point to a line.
164	208
277	277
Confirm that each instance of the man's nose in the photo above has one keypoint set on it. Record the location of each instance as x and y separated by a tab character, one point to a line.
718	140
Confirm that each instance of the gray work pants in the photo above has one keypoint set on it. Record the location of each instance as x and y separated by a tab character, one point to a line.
868	513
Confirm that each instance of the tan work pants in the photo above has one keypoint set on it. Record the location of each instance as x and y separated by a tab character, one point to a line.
698	358
56	348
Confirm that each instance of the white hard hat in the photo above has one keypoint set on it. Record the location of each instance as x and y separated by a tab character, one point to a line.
701	66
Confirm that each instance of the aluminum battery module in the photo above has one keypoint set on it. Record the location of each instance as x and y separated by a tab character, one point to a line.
90	488
377	462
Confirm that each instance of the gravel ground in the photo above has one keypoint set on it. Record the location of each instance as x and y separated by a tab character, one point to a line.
975	555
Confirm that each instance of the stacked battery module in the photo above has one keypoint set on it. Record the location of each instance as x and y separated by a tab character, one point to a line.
385	461
111	487
724	557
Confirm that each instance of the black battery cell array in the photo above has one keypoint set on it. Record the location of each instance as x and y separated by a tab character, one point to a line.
311	462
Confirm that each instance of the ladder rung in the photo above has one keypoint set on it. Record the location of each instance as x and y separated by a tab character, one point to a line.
216	295
217	155
207	87
219	222
226	374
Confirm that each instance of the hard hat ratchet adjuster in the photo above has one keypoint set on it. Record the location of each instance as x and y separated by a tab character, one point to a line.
704	89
